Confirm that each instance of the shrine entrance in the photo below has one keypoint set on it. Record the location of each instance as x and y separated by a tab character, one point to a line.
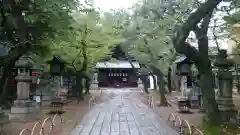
117	74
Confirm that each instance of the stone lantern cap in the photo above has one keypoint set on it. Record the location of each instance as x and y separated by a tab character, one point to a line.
24	62
222	61
56	60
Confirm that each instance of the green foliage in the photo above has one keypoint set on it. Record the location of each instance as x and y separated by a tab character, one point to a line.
41	19
226	129
149	31
233	23
35	24
98	39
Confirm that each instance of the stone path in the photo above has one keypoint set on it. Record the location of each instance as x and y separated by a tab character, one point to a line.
122	113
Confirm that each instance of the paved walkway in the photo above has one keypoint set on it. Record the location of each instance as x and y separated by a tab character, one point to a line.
122	113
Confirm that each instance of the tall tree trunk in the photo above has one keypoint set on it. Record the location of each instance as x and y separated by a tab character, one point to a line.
75	88
80	87
163	100
145	82
87	86
85	60
203	65
161	84
169	83
20	46
7	70
209	102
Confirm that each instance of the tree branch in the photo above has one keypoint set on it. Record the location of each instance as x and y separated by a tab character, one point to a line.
74	65
16	52
84	53
191	22
201	34
214	35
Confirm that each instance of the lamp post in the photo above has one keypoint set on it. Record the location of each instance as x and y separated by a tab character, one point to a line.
236	75
23	108
56	68
225	79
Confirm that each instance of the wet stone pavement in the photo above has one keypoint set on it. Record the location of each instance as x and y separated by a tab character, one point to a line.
122	113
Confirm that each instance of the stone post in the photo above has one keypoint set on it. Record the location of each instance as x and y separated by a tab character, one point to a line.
94	82
59	92
225	80
140	84
23	108
47	93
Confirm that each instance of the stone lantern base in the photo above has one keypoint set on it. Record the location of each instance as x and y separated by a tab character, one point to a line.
24	110
227	110
46	99
94	85
3	117
140	86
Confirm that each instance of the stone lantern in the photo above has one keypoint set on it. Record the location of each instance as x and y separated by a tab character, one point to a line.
184	74
225	80
94	83
56	68
23	108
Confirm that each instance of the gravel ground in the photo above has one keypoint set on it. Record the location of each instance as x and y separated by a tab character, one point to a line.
194	118
74	114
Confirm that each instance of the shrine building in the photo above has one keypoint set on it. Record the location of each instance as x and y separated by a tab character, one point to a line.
119	73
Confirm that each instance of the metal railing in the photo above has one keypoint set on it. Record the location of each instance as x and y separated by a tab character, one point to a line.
151	101
182	125
35	125
92	101
41	125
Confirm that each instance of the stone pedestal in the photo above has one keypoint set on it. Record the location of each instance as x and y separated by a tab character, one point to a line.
23	108
225	80
59	92
45	97
63	94
224	99
94	85
46	93
3	117
140	84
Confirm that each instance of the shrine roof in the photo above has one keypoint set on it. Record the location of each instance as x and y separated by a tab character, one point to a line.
117	64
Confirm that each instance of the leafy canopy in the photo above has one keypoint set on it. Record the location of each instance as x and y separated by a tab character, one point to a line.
151	27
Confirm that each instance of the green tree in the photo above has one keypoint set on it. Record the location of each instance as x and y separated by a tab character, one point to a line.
91	39
148	36
233	23
25	25
200	57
